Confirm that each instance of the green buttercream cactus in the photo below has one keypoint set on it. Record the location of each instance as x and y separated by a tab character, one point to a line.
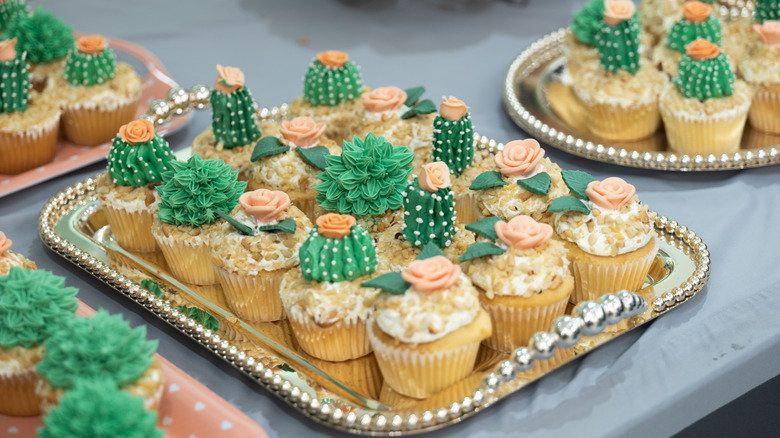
33	306
138	156
10	9
332	79
453	136
90	63
14	78
429	208
193	191
767	10
618	39
587	22
98	347
704	72
368	178
234	116
337	250
698	21
98	409
43	36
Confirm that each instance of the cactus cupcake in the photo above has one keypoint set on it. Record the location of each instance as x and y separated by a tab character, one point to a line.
759	69
323	299
193	197
705	109
33	306
28	119
580	44
739	36
698	21
137	159
234	126
9	259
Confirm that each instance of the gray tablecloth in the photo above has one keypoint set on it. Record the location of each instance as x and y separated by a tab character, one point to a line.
654	381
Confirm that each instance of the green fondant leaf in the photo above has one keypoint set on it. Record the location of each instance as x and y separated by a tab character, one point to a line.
285	226
241	228
201	316
429	250
577	181
285	367
152	287
486	227
391	282
314	156
423	107
568	203
481	249
413	95
539	183
268	146
486	180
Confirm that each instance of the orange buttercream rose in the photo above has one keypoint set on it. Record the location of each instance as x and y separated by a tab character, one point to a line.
431	274
264	205
696	12
434	176
702	49
8	50
229	79
335	225
769	32
137	131
91	45
611	194
617	11
5	243
333	58
384	99
302	131
452	109
523	232
520	158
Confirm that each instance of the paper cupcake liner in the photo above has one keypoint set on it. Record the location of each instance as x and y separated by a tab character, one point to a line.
765	111
338	342
466	209
253	298
514	326
706	136
309	207
131	229
189	259
614	122
27	149
18	394
361	375
93	126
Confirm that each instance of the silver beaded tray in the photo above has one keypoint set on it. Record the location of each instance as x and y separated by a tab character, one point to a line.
542	104
348	396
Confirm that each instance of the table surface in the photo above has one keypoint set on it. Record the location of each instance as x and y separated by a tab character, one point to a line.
653	381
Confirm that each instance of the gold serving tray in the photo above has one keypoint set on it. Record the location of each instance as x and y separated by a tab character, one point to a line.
349	395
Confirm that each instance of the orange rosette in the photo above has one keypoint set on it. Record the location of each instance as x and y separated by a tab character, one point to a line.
266	206
617	11
769	32
434	176
520	158
333	58
137	131
611	194
5	243
334	225
91	44
383	99
696	11
702	49
431	274
452	109
302	131
523	232
8	50
229	79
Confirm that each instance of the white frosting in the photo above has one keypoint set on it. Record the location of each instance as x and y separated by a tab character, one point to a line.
386	115
526	278
131	204
326	303
283	170
597	241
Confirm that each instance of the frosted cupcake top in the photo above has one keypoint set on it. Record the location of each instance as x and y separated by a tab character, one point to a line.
761	66
9	259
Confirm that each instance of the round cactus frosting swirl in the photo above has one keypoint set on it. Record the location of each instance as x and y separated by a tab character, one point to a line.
587	22
704	72
337	250
698	22
90	63
14	78
42	35
138	156
332	79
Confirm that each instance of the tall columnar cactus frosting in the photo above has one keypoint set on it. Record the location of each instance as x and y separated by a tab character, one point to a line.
14	78
587	22
453	136
234	116
429	208
337	250
767	10
193	191
10	9
90	63
33	306
618	38
98	409
698	21
368	178
704	72
138	156
332	79
43	36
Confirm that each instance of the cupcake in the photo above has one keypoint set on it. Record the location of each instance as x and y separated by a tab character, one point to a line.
234	127
759	69
28	119
99	347
34	305
332	89
193	196
427	327
251	257
98	94
621	97
524	281
127	194
9	259
658	16
580	43
323	300
739	37
521	182
705	109
698	21
608	235
97	409
291	160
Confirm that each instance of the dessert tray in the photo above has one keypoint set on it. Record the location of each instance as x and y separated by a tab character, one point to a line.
349	396
539	99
